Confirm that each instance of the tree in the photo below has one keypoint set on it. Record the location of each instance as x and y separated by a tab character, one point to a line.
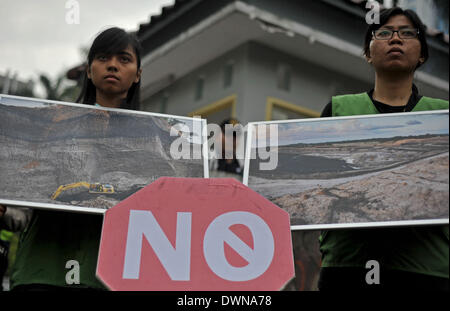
58	90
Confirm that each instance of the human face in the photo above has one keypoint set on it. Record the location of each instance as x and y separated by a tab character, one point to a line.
113	75
395	54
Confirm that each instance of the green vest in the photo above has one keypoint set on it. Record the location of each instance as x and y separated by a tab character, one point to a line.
360	104
6	235
50	240
422	250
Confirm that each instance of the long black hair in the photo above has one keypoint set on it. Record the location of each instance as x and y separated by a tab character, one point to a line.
385	15
109	42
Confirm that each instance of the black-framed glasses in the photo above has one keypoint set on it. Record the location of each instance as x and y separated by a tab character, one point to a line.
387	34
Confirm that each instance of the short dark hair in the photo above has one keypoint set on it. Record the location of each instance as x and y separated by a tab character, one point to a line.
231	121
385	15
112	41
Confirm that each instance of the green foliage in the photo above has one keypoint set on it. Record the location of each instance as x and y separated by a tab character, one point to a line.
56	90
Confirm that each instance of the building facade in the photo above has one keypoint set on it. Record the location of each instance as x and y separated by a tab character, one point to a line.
10	84
263	60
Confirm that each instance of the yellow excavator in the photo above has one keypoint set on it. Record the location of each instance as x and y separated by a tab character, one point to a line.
93	188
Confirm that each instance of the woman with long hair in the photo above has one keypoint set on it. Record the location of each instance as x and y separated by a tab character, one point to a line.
54	242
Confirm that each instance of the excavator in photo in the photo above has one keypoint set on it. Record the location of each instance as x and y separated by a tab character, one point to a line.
93	188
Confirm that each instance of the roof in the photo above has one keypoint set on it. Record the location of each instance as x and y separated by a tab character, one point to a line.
179	6
165	12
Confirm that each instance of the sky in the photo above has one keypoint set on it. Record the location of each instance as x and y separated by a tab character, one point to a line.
45	36
361	128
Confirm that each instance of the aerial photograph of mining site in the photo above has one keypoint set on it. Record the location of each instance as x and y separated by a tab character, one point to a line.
359	170
86	157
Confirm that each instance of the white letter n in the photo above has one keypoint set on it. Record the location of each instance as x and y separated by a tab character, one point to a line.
176	260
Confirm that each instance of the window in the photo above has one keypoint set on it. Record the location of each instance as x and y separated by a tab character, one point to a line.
163	103
228	74
284	77
433	13
277	109
199	88
218	111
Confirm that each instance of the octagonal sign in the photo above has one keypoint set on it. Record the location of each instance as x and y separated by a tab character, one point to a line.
195	234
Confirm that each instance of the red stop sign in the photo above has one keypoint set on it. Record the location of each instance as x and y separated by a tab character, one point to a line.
195	234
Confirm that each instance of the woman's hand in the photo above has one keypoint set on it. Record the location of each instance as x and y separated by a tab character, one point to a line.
2	210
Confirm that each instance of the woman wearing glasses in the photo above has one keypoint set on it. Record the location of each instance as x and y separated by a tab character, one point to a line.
409	258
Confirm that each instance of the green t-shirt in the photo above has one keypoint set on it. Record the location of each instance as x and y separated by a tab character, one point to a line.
53	238
414	249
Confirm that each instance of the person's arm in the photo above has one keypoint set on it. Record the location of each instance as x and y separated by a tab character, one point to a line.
14	219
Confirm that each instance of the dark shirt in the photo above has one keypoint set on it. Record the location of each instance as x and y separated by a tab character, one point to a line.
381	107
230	167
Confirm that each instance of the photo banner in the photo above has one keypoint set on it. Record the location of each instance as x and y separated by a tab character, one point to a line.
353	172
81	158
